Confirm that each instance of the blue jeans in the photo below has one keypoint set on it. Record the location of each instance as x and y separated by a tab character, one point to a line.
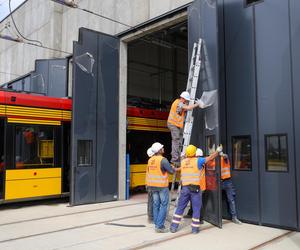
160	206
227	185
150	206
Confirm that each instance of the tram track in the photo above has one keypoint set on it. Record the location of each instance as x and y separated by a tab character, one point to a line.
72	228
168	238
272	241
69	214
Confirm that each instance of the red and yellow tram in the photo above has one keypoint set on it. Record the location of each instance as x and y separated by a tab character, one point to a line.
34	146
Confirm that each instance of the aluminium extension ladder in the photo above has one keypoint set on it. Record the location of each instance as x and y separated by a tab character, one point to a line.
192	84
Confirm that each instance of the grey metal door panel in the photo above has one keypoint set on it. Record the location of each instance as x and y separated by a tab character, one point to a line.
203	23
39	78
57	84
278	192
95	117
295	36
241	101
107	121
84	113
84	179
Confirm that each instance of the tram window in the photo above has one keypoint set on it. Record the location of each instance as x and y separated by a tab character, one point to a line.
276	153
84	154
34	147
241	152
210	143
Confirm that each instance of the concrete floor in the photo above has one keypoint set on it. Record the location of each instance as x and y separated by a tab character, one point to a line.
122	225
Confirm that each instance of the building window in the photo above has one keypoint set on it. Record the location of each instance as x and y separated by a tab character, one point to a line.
210	143
252	2
276	153
241	152
84	153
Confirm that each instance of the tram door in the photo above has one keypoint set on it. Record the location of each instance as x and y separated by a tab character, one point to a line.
94	133
2	169
203	23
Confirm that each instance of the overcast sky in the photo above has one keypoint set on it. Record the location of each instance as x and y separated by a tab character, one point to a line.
4	9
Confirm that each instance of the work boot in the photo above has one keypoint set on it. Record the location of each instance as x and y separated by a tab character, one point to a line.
161	230
236	220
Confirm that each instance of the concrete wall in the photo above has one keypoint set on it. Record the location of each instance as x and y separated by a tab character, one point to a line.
39	20
57	27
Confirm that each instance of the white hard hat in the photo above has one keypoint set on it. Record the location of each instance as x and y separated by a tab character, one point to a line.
185	95
156	147
199	152
150	152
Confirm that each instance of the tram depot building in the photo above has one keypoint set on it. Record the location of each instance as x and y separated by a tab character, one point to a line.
251	57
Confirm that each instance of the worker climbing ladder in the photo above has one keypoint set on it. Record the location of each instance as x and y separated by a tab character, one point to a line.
192	84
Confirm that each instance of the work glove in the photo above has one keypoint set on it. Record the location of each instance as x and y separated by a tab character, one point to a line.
200	103
212	149
225	156
219	149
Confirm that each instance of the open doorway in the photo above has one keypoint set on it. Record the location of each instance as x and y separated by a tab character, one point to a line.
157	74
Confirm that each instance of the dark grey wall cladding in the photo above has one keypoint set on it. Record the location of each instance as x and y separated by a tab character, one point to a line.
241	100
107	119
275	109
295	41
95	116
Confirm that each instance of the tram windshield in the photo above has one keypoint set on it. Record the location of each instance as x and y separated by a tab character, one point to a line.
34	146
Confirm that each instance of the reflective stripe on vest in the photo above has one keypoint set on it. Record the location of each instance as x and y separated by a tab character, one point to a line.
225	169
190	174
175	118
155	177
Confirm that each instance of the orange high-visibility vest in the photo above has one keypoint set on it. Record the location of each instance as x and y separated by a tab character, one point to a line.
225	169
202	179
211	165
190	173
210	175
175	118
154	176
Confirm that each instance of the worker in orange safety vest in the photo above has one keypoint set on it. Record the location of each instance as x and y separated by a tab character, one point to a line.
191	168
176	122
228	187
157	179
150	198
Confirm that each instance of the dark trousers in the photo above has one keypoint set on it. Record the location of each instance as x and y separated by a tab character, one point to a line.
185	197
228	187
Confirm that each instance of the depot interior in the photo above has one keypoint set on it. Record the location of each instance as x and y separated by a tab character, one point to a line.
157	74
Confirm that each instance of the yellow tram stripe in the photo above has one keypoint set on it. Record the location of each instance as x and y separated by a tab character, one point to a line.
148	128
67	115
33	121
33	112
147	121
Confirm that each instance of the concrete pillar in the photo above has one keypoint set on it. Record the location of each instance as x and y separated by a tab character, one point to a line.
122	119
